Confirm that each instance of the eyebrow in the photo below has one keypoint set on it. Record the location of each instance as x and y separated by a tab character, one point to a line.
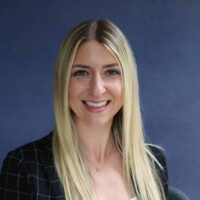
88	67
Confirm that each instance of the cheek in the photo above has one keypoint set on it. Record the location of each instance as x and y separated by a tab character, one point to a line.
72	91
75	89
117	87
117	91
120	93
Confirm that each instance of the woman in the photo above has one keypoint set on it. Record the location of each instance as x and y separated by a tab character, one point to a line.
97	150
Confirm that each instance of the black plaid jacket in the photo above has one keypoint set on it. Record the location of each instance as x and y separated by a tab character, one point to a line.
28	173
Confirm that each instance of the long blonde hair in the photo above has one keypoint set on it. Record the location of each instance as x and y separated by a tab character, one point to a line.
138	161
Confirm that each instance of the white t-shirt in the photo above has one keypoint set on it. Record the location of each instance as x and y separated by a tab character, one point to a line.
134	198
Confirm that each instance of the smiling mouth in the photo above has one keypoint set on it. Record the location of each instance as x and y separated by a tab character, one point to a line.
91	104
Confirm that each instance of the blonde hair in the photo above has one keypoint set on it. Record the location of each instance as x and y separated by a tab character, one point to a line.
138	161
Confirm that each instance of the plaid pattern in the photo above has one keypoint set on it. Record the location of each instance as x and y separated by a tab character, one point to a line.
28	173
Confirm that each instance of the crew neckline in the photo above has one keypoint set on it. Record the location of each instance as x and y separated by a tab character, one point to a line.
134	198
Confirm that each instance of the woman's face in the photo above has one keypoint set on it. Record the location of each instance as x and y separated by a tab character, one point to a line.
95	89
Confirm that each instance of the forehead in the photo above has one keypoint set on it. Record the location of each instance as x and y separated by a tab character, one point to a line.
94	53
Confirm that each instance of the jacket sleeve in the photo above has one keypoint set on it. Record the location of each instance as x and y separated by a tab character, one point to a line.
163	173
14	180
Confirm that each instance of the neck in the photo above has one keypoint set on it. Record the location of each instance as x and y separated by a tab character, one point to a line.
97	143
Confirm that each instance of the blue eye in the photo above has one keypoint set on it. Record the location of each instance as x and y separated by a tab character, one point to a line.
112	72
80	73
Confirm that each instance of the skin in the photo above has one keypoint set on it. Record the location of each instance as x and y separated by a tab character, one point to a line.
95	96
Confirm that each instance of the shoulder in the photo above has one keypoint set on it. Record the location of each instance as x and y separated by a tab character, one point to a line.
160	165
31	152
28	172
159	154
29	157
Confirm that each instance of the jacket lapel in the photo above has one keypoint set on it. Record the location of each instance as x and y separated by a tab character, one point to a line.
55	186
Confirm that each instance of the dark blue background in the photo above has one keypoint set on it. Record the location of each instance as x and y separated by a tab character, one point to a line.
165	36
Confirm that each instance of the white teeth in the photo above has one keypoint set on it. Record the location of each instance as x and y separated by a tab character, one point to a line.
95	105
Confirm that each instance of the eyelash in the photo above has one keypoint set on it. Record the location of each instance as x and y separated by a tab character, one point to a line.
112	72
108	73
80	73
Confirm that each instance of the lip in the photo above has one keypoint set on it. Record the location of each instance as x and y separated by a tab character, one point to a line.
96	106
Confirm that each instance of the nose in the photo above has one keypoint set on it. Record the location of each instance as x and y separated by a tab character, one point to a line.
97	86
